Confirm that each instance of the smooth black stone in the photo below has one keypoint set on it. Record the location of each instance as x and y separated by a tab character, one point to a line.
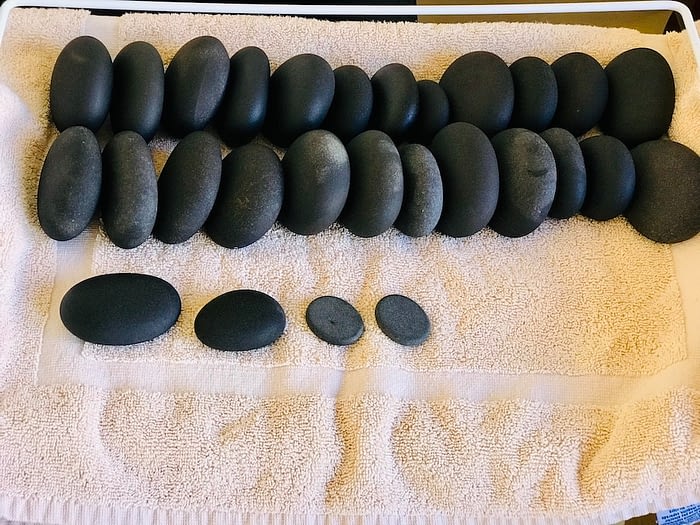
139	87
301	93
528	182
187	187
571	173
244	105
129	190
469	171
195	81
480	89
376	185
317	180
422	193
334	320
351	108
583	92
69	184
642	96
610	177
81	84
240	320
402	320
395	100
666	203
249	198
536	94
120	308
433	112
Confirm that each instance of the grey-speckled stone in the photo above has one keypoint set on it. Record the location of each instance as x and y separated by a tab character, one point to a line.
433	112
571	173
395	100
402	320
334	320
351	108
422	195
536	94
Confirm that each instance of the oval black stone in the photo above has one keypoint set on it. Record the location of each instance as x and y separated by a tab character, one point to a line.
433	112
195	81
642	96
395	100
250	196
120	308
244	105
666	203
240	320
317	180
610	177
334	320
582	90
69	184
81	84
469	171
479	87
351	108
571	173
139	87
187	187
402	320
376	185
536	94
422	192
301	93
129	190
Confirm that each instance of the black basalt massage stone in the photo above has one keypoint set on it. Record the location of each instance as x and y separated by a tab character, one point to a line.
301	93
249	198
81	84
395	100
120	308
334	320
351	108
187	187
571	173
139	86
528	181
642	96
666	203
129	190
469	171
536	94
422	192
317	180
69	184
610	177
195	81
240	320
433	112
402	320
479	87
244	105
376	186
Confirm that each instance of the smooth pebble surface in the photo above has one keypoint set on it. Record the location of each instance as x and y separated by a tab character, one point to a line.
571	173
422	195
666	203
120	308
351	108
402	320
69	184
334	320
433	112
240	320
81	84
395	100
536	94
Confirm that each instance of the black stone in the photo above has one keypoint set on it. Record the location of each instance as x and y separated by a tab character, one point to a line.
250	196
120	308
351	108
395	100
129	190
69	184
433	112
571	173
469	171
610	177
376	185
479	87
536	94
187	187
642	96
402	320
240	320
422	193
666	203
317	181
334	321
139	87
81	84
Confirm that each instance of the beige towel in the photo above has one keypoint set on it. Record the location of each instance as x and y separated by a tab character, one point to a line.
560	384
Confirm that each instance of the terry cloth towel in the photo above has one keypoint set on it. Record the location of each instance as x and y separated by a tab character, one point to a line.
560	383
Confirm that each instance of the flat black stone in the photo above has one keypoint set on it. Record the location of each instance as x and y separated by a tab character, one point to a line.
433	112
351	108
120	308
240	320
334	320
402	320
422	194
395	100
536	94
571	173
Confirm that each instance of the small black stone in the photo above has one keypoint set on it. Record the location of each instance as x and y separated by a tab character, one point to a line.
422	195
351	108
571	173
402	320
395	100
334	320
433	112
536	94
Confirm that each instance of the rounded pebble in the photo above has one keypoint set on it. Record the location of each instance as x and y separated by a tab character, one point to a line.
402	320
571	173
433	112
422	195
351	108
536	94
334	321
395	100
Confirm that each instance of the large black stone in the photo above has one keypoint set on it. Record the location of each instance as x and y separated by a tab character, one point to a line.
536	94
402	320
433	112
571	173
351	108
422	192
395	100
334	320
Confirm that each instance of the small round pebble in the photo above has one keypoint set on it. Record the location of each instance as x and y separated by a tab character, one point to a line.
402	320
433	112
571	173
334	320
536	94
395	100
351	108
422	195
